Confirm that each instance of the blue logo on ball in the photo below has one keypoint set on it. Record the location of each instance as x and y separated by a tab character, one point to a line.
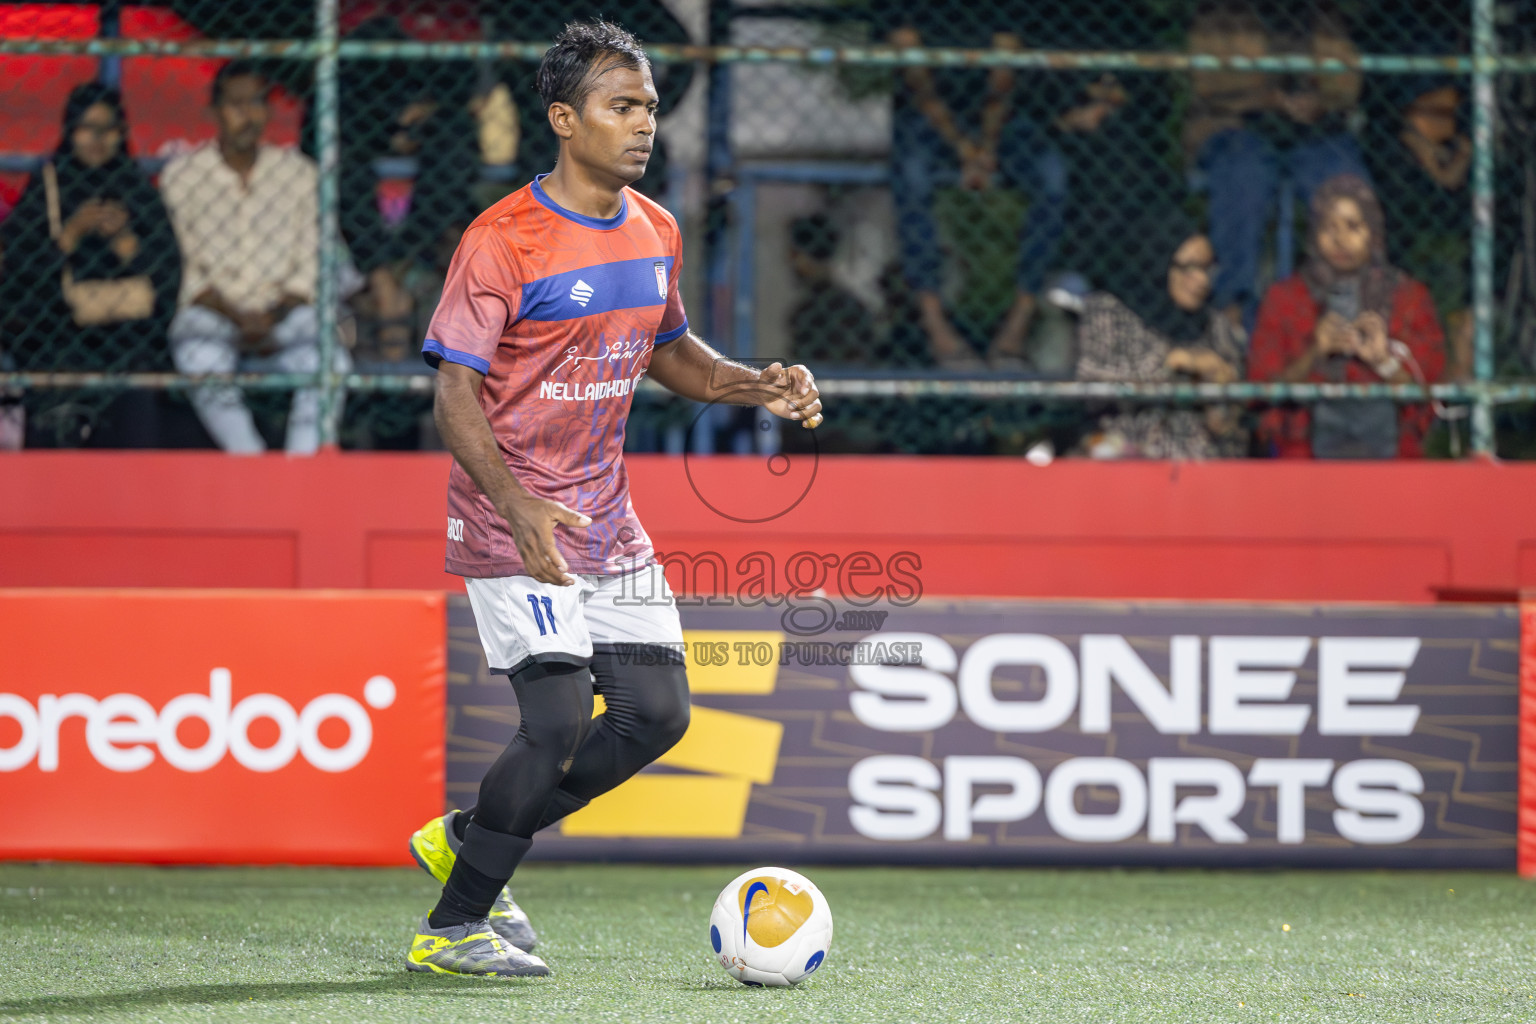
815	960
714	937
746	911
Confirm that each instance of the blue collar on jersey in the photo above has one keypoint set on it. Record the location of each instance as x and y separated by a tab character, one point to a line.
601	224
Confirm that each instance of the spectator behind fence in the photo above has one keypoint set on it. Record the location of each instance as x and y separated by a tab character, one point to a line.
973	126
91	270
1421	161
831	326
1254	134
1155	323
402	231
1121	166
245	214
1347	316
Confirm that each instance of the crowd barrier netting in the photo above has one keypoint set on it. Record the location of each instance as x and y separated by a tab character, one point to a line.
973	220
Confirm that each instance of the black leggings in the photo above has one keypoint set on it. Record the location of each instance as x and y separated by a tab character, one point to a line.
561	758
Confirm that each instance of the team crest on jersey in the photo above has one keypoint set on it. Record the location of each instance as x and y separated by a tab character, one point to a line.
661	279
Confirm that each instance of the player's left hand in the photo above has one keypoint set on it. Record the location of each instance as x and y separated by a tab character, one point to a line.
799	398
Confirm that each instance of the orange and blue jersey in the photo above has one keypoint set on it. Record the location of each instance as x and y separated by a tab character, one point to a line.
561	312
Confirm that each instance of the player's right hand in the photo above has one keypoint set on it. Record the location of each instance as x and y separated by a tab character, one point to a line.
533	531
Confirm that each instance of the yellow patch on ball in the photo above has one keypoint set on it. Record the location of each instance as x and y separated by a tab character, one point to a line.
777	911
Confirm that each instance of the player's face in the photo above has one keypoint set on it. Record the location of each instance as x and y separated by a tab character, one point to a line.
617	127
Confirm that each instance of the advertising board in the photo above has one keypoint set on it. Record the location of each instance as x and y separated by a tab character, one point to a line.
1006	732
219	725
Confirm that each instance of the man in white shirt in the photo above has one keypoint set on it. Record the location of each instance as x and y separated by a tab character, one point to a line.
245	216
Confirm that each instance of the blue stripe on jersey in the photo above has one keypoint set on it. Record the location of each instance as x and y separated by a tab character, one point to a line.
603	288
672	335
435	352
596	223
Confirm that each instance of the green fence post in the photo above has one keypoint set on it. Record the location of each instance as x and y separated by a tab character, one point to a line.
327	295
1483	46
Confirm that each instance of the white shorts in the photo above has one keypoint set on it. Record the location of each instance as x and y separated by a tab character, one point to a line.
523	621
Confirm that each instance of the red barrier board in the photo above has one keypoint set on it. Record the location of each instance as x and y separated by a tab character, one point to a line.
1526	827
219	726
1414	531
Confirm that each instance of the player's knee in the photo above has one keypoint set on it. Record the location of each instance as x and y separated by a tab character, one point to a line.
665	712
561	735
555	701
670	727
582	726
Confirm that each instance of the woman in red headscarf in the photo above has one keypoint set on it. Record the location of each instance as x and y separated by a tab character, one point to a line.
1347	316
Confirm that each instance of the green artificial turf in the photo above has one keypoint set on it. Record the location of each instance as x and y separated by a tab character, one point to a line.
629	944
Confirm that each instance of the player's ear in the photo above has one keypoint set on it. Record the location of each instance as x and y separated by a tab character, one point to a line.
562	118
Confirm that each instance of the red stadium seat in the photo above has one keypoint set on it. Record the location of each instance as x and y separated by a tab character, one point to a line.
166	97
33	88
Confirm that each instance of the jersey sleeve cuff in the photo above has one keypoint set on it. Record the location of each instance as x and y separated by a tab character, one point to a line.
435	353
673	334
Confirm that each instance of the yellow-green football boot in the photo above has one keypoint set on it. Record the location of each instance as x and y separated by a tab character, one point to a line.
472	949
435	848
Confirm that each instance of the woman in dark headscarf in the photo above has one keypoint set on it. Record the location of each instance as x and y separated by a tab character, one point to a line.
1153	322
91	275
1347	316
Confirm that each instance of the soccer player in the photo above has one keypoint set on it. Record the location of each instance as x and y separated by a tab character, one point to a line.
559	299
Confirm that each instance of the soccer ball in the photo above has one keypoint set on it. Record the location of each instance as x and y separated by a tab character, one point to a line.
770	926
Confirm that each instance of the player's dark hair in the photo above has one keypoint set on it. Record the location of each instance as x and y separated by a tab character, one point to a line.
583	53
239	68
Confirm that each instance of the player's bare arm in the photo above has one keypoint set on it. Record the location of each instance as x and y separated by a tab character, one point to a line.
462	424
691	368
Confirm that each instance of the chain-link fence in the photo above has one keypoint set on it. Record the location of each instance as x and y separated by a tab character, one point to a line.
1115	227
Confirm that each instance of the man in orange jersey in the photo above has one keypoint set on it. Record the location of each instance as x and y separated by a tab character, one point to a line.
560	298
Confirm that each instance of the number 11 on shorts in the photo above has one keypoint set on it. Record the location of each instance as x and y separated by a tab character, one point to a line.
540	614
